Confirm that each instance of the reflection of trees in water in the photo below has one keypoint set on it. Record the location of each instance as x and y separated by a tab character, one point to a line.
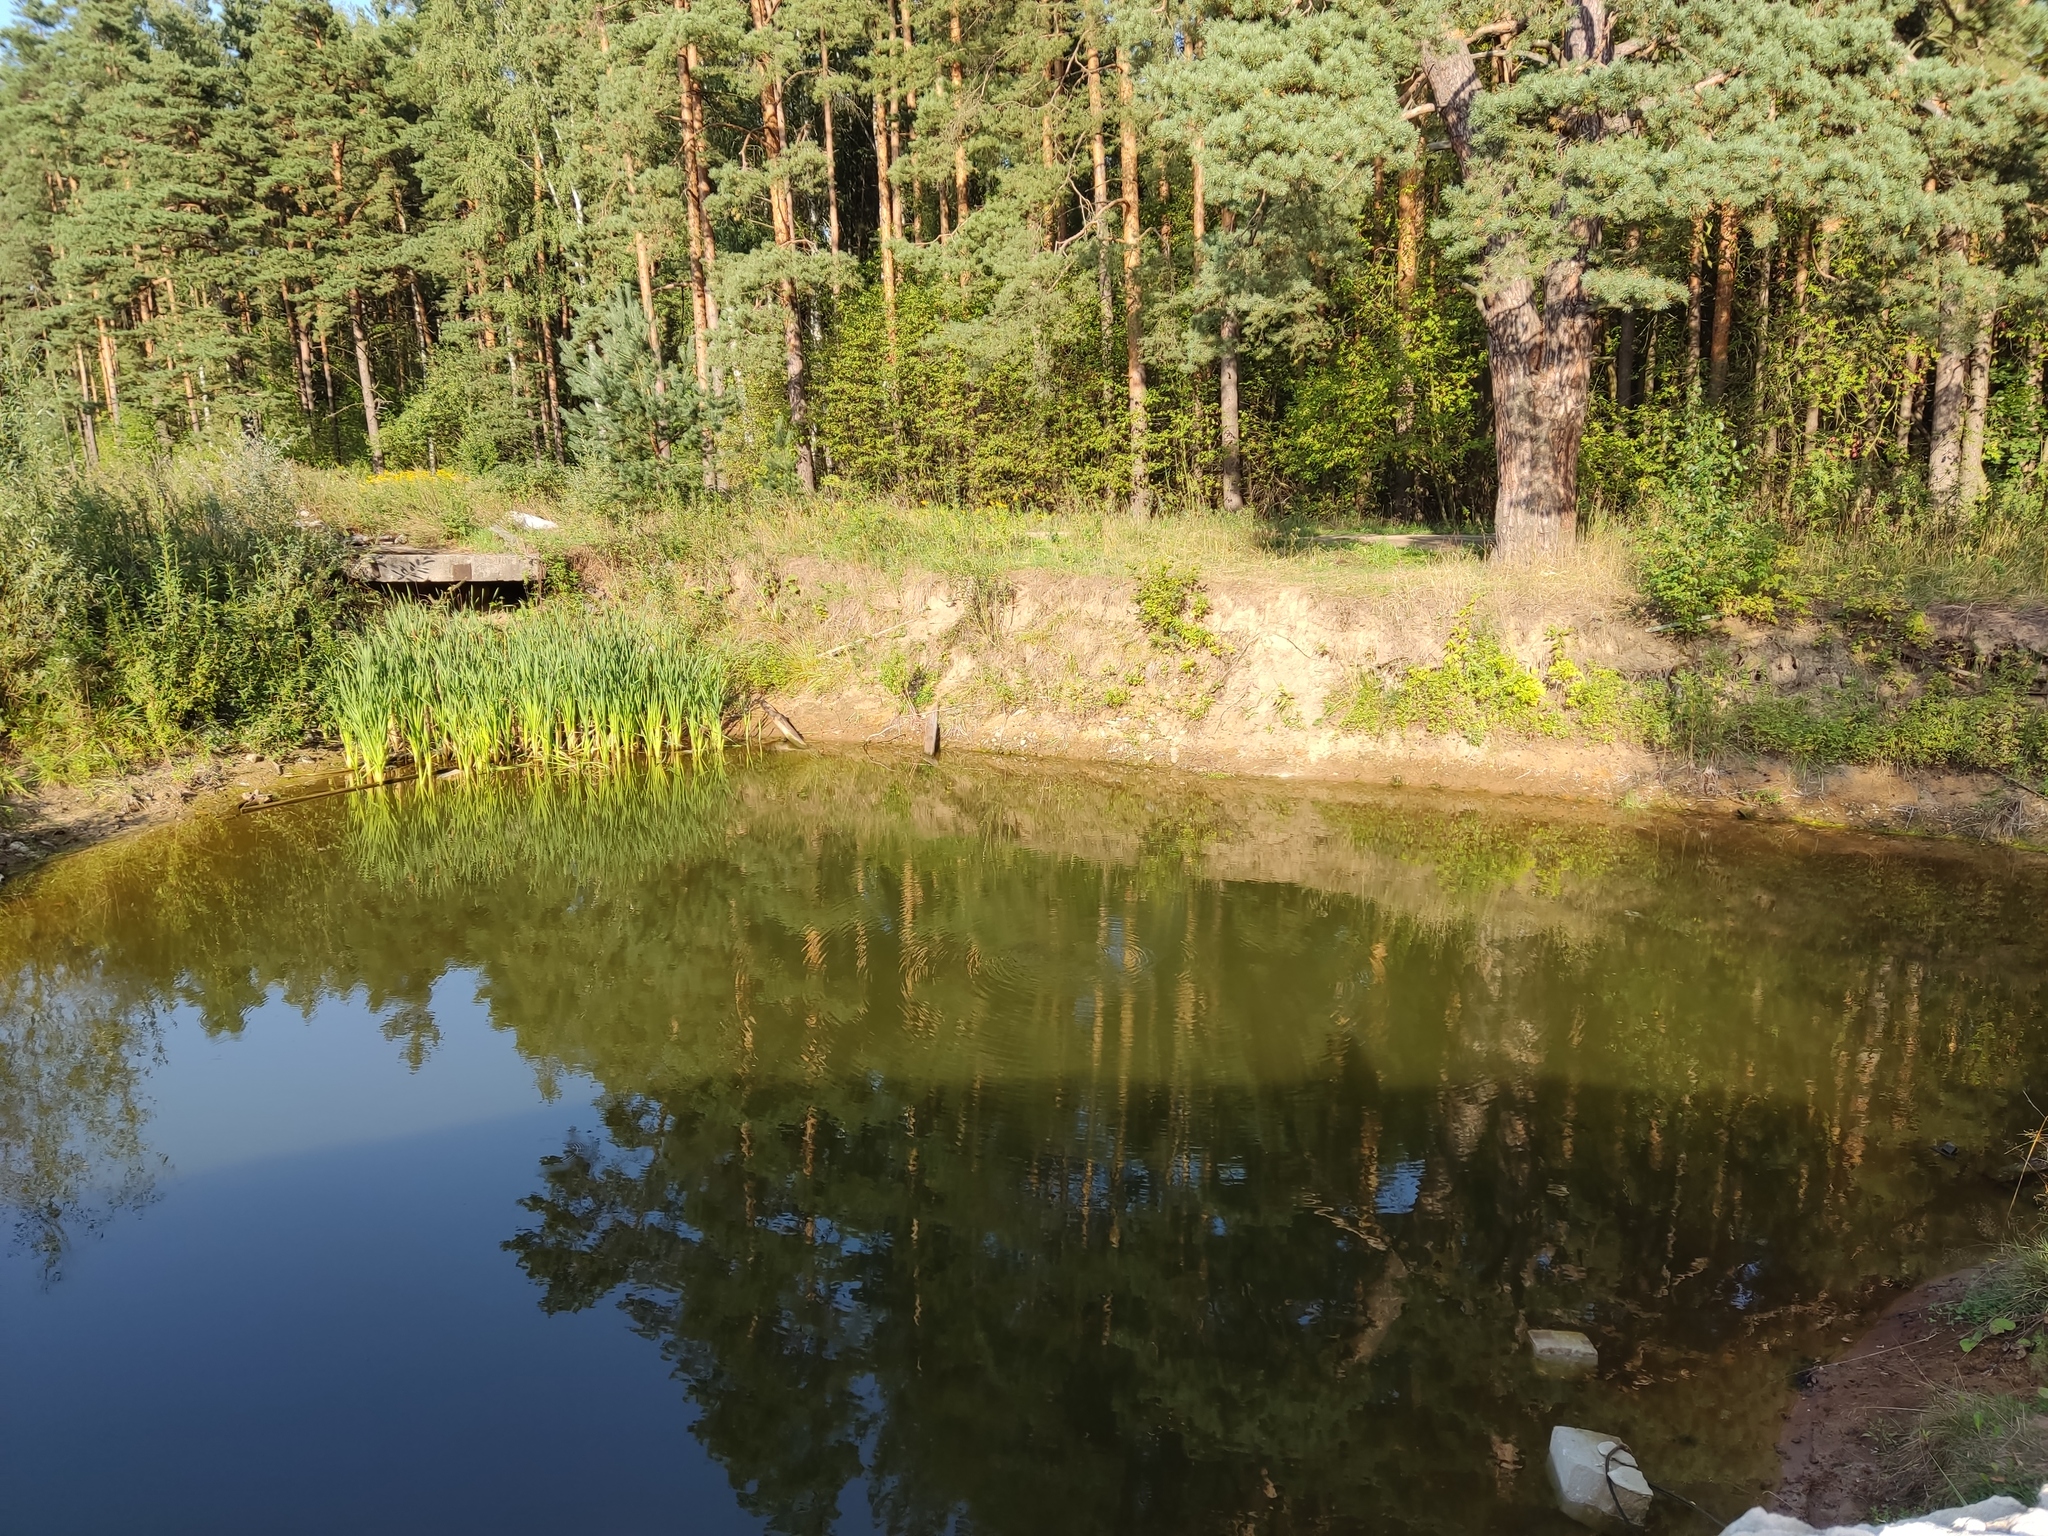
1222	1190
966	1133
71	1150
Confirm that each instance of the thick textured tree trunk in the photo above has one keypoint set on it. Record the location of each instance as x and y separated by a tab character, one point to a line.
1974	413
1541	358
1625	359
1909	402
369	386
1407	234
87	407
109	362
1134	329
1724	304
1229	334
1407	271
1226	411
703	313
1951	384
302	351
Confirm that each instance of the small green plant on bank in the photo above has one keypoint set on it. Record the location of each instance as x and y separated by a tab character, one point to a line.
2010	1294
906	678
1171	606
1996	728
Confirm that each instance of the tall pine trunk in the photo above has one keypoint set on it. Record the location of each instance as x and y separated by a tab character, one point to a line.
1101	168
1951	383
1974	414
1724	304
1541	356
363	378
1230	332
1134	330
782	215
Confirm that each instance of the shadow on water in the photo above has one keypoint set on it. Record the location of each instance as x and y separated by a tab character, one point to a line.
1180	1156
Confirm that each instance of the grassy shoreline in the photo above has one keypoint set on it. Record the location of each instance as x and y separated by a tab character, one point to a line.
198	607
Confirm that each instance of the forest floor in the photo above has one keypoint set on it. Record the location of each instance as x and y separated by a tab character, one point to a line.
1925	1410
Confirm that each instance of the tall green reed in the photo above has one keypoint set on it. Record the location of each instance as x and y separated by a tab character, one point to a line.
541	687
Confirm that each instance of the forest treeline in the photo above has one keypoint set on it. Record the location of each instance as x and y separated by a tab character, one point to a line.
1391	256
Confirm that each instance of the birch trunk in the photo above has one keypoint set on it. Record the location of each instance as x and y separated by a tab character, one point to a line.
369	387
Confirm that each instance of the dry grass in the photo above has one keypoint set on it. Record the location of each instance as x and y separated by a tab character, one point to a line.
1967	1446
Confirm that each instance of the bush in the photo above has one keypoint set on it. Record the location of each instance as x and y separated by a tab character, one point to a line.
1171	607
1703	552
142	616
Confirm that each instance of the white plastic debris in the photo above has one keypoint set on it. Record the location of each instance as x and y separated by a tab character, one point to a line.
1998	1516
528	520
1561	1352
1590	1472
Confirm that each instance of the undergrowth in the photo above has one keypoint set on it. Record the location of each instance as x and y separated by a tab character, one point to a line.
1480	688
161	610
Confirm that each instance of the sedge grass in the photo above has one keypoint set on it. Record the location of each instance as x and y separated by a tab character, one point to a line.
543	687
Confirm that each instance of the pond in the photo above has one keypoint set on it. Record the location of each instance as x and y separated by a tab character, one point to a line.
848	1145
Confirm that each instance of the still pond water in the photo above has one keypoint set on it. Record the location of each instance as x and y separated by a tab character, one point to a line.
856	1146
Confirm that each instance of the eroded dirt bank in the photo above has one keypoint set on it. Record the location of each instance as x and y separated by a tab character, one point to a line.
1040	664
1053	665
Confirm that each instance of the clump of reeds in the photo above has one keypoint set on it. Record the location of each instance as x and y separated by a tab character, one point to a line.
548	686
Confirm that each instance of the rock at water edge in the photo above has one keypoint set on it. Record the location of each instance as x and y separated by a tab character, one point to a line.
1560	1352
1589	1472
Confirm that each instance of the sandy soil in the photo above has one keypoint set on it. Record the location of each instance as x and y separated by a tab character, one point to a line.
1835	1444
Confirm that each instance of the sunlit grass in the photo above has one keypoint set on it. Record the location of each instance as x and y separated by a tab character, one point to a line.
552	685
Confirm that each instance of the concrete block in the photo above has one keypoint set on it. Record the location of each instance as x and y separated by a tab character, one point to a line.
1589	1472
1560	1352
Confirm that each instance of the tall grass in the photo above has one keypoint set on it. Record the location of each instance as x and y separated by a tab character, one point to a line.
147	610
543	687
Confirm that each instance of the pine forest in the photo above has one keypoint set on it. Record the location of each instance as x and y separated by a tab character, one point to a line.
1404	259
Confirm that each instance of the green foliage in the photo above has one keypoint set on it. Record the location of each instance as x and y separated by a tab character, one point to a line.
2013	1289
462	416
544	686
634	410
1704	550
1393	404
1480	688
908	679
1016	423
1171	606
144	617
1998	728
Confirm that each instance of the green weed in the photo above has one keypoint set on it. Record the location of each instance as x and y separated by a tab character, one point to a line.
541	687
1171	606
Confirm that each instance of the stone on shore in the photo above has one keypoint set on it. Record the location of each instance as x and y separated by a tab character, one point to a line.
1589	1472
1560	1352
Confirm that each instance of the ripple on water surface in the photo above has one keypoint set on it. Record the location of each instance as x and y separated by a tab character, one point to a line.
836	1145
